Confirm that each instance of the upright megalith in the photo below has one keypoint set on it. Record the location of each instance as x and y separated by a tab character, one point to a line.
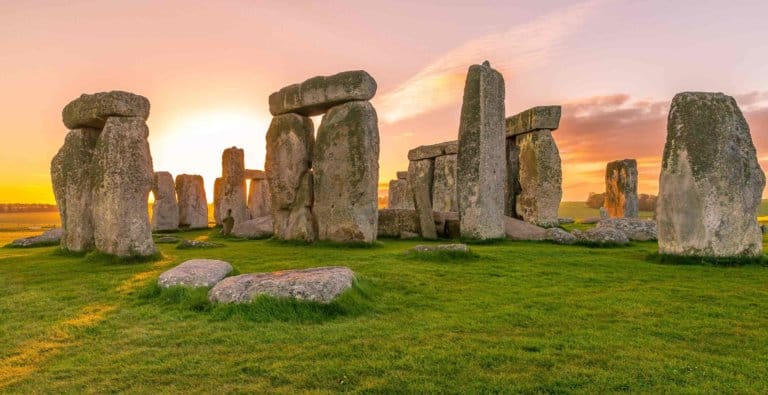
193	205
122	179
233	193
481	165
73	188
711	183
346	171
165	208
399	193
444	188
421	178
534	173
217	185
259	201
103	174
290	143
621	189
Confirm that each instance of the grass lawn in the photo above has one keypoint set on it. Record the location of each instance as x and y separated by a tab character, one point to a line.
518	317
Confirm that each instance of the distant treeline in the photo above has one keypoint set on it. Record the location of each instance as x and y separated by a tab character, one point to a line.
26	208
645	202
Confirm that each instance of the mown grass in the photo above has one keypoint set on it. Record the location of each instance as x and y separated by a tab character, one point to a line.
516	317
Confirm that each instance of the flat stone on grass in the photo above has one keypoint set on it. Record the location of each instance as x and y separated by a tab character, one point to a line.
441	247
190	244
195	273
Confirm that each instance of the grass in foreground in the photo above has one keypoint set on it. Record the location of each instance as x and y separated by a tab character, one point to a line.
520	317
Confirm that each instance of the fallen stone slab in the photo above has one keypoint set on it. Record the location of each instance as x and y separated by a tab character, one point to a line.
601	237
257	228
323	285
516	229
434	150
48	238
441	247
317	95
636	229
190	244
93	110
394	222
536	118
195	273
560	236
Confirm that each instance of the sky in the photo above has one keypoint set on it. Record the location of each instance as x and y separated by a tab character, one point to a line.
208	68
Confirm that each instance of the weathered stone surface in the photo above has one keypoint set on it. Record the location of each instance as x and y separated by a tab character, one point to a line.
512	184
48	238
233	193
444	190
589	220
400	195
395	222
257	228
420	179
92	111
636	229
536	118
193	205
195	273
72	179
434	150
346	174
604	213
621	189
321	285
560	236
540	177
197	244
165	209
711	182
441	247
601	236
402	175
259	200
252	174
481	170
565	220
122	179
317	95
290	143
516	229
217	200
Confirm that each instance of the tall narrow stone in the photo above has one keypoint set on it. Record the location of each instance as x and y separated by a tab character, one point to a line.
259	202
123	177
290	143
421	179
621	189
217	200
540	177
165	209
444	191
346	167
481	168
71	175
233	193
399	195
193	205
512	184
711	183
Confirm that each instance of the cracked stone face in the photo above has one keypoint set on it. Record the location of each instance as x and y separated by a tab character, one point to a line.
621	189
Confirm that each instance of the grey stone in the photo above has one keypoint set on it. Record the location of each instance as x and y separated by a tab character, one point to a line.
636	229
621	189
516	229
408	235
48	238
400	195
402	175
565	220
420	179
197	244
193	205
259	201
195	273
560	236
481	170
512	184
441	247
711	183
444	220
72	179
317	95
589	220
165	209
233	193
256	228
540	177
434	150
321	285
92	111
604	213
217	200
396	222
122	179
290	143
346	174
601	236
444	189
252	174
536	118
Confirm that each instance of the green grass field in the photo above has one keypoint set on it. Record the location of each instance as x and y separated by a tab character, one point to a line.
518	317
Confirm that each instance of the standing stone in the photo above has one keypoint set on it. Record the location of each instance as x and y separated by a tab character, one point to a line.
290	142
346	167
233	193
421	179
123	177
540	177
165	209
444	191
72	183
217	200
399	195
481	168
512	184
621	189
193	205
711	182
259	203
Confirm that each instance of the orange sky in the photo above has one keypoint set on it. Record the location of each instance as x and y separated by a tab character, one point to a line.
209	67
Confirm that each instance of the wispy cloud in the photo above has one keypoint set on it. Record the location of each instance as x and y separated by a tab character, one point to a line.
441	82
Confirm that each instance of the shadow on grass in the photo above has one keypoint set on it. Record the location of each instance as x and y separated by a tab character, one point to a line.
36	245
665	259
592	244
326	244
354	302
